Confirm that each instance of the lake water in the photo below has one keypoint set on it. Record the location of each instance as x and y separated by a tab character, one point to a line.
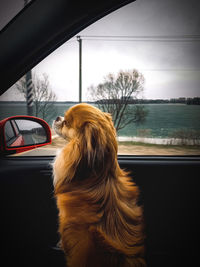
162	122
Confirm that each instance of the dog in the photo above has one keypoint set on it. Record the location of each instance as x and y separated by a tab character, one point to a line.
100	221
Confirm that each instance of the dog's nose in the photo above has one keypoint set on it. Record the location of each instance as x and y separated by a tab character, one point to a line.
58	118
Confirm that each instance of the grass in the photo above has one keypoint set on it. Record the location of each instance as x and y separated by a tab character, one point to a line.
132	143
139	148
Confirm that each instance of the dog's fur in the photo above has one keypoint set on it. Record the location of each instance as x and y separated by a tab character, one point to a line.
100	223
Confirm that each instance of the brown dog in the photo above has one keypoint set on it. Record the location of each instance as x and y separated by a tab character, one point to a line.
100	222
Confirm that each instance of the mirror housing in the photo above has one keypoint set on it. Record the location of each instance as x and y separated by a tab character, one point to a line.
23	133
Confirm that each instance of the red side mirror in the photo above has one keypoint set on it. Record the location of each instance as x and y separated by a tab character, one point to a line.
22	133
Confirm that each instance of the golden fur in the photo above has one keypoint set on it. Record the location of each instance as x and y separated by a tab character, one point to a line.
100	223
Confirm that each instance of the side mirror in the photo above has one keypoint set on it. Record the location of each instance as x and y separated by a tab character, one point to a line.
22	133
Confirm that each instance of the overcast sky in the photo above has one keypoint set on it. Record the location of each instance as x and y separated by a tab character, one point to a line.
162	42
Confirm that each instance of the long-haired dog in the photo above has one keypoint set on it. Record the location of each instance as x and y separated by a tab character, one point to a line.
100	222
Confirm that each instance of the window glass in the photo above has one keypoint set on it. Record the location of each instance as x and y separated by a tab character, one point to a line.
148	53
9	132
11	136
16	128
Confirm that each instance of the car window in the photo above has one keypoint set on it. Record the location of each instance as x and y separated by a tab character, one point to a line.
141	63
15	126
10	134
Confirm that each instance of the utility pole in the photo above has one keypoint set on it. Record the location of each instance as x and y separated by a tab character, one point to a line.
29	93
29	87
80	68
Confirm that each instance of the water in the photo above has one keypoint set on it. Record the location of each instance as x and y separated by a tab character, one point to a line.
163	120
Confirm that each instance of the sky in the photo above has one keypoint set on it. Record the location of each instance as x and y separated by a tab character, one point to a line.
159	38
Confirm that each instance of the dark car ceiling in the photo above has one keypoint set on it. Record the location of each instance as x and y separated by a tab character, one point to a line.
42	27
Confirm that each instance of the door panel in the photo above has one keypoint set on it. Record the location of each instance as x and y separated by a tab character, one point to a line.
171	196
29	214
169	192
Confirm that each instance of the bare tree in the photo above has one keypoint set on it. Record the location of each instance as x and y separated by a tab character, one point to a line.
43	96
116	94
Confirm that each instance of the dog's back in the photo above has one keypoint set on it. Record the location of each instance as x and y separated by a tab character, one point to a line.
101	225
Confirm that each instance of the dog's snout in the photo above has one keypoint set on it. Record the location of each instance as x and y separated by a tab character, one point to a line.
58	118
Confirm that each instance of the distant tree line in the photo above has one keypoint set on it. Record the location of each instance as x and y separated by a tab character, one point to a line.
193	101
130	100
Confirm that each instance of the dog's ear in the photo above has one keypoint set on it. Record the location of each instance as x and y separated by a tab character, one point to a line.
93	144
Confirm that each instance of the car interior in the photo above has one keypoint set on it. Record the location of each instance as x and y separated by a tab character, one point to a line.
169	185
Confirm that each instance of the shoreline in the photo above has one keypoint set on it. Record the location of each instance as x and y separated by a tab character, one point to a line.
139	148
124	148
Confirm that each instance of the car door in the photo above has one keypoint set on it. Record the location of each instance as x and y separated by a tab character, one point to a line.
169	183
169	193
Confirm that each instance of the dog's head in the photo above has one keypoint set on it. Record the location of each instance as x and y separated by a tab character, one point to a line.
91	134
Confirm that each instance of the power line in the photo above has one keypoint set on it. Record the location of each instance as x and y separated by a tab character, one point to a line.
171	70
143	38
